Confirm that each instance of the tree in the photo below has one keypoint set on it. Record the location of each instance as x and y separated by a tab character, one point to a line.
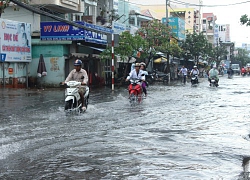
242	56
128	44
245	20
218	53
196	46
158	37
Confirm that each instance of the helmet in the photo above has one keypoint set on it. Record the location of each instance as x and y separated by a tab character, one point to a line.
195	66
142	63
77	62
137	65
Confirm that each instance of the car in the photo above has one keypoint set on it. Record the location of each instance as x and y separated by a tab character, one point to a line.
236	68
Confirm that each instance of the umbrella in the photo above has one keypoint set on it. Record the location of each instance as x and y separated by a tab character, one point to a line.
41	70
160	60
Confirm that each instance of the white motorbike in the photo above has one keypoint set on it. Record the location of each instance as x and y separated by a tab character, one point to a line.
73	101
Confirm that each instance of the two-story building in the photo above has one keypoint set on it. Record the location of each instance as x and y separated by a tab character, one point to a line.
61	43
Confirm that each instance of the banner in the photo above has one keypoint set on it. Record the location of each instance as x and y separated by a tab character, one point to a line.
55	31
61	31
15	40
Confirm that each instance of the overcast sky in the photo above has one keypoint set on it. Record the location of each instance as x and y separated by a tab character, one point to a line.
225	15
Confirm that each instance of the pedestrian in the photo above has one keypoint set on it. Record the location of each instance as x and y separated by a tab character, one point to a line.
183	72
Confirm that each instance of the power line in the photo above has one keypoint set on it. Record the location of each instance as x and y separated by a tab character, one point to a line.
202	5
191	4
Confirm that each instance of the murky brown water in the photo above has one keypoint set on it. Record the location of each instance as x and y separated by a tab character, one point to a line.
179	132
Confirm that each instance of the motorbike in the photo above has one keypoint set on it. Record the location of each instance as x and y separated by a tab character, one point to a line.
157	76
150	78
214	83
73	101
135	92
194	80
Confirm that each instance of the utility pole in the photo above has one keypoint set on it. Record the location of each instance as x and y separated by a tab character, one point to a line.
200	15
168	64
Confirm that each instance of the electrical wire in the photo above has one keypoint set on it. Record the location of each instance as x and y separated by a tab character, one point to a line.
202	5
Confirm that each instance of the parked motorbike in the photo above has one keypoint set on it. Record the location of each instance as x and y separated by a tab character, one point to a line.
214	83
73	101
194	80
157	76
135	92
150	78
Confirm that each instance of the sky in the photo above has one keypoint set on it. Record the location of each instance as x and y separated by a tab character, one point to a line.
229	14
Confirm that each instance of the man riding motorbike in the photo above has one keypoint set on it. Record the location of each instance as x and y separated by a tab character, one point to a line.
80	75
136	73
214	73
144	83
194	72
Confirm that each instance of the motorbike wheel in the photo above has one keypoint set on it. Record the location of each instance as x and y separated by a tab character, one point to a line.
86	102
133	100
150	80
68	105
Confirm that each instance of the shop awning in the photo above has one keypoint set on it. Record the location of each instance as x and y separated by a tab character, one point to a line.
160	60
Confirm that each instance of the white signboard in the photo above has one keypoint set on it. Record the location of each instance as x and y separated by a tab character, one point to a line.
118	27
15	40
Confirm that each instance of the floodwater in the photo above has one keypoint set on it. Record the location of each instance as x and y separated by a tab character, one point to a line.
179	132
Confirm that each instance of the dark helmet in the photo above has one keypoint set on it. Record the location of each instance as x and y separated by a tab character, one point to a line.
78	62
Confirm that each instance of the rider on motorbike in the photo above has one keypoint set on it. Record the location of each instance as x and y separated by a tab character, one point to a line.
194	72
136	73
144	83
214	73
80	75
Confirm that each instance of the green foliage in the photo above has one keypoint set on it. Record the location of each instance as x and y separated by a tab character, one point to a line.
245	20
218	53
196	45
128	44
242	56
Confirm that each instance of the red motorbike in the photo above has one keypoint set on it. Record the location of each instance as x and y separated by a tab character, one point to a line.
135	92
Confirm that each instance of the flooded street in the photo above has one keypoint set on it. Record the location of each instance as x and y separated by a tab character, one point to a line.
179	132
